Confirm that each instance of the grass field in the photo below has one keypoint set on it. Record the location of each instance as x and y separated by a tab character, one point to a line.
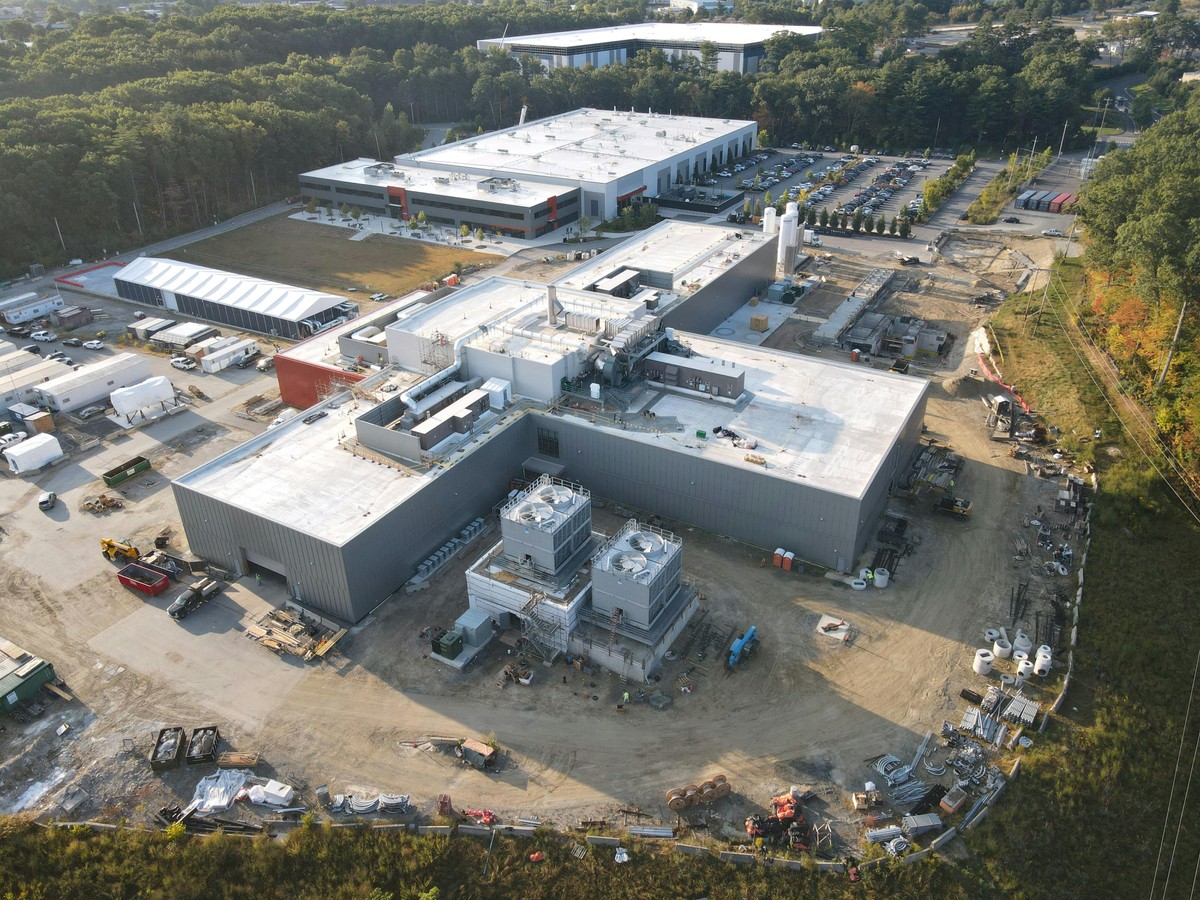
321	256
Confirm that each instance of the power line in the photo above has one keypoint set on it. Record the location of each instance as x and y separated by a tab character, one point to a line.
1108	401
1171	797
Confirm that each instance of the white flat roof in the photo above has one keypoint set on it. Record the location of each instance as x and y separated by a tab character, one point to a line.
692	252
829	424
95	371
298	475
447	184
723	34
583	145
267	298
41	371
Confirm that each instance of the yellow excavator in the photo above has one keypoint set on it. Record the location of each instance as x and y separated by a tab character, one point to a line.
122	551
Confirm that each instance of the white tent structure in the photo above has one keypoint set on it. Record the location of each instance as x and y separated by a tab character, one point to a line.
32	454
152	395
250	304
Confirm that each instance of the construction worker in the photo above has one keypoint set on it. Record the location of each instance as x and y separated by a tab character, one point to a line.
258	578
625	698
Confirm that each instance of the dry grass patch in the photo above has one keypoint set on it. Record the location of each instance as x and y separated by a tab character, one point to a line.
322	256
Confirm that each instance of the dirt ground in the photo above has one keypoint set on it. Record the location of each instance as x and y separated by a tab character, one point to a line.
294	252
804	709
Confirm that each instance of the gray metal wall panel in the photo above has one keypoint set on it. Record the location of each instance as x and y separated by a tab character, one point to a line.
744	504
385	556
717	301
222	533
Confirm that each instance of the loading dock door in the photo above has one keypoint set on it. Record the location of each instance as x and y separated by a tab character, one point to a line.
265	562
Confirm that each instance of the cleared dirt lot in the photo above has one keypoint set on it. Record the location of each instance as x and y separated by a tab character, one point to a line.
803	709
321	255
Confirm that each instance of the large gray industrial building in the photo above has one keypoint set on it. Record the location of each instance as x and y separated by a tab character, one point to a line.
585	380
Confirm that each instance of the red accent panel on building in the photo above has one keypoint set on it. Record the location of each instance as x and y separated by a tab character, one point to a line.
301	383
400	194
640	190
553	209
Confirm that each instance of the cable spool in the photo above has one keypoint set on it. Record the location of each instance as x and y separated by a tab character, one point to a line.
691	795
674	793
707	796
719	780
708	786
676	804
1002	649
723	789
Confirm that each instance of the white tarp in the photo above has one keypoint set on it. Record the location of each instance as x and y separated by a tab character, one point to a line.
33	453
151	392
215	793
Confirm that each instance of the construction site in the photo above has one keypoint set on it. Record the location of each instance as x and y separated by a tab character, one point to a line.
564	562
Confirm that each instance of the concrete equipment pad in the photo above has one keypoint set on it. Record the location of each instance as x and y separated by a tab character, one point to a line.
205	656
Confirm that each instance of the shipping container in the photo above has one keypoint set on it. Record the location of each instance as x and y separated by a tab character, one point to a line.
1057	202
1023	199
1044	201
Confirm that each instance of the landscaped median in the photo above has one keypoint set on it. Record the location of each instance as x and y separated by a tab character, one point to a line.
942	188
985	209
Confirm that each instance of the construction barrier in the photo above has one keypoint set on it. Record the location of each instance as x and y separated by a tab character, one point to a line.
692	850
730	857
474	830
602	840
435	829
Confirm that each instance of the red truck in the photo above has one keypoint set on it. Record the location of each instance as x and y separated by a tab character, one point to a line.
143	578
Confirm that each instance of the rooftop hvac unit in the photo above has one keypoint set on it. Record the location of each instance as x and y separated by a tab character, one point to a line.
629	563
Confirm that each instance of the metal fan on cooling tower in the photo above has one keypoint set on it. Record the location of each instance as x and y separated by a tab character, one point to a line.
534	513
556	495
646	542
629	563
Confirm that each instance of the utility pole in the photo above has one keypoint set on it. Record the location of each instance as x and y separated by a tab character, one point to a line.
1063	139
1171	352
60	237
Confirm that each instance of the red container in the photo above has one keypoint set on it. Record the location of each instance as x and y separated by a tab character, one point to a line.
143	579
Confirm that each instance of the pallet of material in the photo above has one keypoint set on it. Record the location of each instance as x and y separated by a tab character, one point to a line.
237	759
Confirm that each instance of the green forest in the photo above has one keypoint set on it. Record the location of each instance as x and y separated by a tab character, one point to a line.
120	129
1142	211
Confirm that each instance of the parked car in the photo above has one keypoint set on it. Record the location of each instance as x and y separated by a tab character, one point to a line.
62	358
90	412
320	414
1012	220
32	348
72	342
247	361
93	345
13	437
266	364
182	362
47	500
1052	232
18	331
46	337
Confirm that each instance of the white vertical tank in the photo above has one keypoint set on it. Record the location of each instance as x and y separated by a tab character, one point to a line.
770	223
789	239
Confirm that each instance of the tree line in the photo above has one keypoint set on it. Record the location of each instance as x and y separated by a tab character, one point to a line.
123	129
1142	212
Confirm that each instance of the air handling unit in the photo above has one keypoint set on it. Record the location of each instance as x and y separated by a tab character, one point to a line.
543	527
